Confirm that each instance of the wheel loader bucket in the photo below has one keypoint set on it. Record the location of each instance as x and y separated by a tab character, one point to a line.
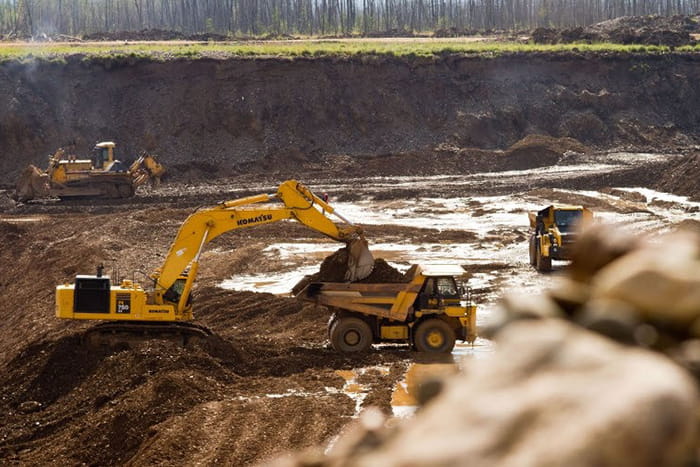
360	260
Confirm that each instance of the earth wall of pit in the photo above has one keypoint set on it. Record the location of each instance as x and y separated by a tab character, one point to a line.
227	115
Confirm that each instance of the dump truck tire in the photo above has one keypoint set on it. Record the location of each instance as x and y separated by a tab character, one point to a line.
533	250
350	334
331	322
544	264
434	335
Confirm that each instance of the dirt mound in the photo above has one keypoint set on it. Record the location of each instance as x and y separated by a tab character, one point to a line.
539	150
110	406
591	202
682	178
648	30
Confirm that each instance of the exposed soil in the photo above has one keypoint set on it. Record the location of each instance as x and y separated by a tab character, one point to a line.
649	30
218	117
230	128
270	383
107	406
682	178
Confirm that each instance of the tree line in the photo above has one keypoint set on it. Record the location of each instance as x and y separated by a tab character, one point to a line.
25	18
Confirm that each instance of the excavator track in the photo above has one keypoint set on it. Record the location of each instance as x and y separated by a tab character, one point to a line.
126	334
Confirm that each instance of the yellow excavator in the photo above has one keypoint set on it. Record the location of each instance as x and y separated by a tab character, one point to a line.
166	307
101	176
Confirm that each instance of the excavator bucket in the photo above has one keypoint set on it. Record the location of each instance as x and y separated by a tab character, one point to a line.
360	260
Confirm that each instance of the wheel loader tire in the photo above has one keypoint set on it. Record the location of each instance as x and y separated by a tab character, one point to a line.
434	335
533	250
350	334
544	264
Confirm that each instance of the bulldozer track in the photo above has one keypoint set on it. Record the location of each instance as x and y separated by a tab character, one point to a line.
124	334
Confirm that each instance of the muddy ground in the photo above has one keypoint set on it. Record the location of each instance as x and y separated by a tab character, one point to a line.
272	384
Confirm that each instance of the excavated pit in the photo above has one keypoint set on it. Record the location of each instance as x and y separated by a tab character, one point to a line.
273	383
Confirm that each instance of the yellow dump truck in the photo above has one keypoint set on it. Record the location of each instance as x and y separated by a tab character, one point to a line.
430	311
553	232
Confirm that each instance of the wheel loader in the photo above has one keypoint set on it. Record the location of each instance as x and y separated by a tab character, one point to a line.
166	307
430	311
101	176
553	232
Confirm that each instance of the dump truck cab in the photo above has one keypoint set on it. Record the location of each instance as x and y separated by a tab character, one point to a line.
430	311
554	231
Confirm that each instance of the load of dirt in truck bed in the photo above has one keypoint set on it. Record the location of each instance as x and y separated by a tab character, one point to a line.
334	266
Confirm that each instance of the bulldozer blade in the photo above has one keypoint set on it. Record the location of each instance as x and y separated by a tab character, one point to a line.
360	260
33	183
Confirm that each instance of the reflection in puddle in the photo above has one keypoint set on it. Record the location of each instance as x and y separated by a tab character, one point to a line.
407	393
427	368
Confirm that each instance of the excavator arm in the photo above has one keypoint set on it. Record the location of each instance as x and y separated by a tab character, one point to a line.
299	203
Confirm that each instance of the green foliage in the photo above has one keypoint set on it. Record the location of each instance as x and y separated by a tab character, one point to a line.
130	53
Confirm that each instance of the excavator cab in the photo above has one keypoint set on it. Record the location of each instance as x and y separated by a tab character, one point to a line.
174	293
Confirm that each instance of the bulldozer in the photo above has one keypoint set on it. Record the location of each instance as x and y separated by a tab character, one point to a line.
553	233
166	307
101	176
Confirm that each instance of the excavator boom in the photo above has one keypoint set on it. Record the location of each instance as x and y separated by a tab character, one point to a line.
94	297
203	226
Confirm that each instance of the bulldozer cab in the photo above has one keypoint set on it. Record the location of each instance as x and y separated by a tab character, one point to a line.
103	154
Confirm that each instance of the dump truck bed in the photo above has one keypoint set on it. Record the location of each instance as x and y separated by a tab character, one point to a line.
386	300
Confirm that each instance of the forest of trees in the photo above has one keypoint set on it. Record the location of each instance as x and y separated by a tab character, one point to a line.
25	18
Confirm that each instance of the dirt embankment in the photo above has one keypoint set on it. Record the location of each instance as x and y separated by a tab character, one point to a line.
682	177
648	30
228	116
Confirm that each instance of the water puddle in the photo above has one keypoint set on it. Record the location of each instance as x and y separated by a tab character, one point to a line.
21	220
356	390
